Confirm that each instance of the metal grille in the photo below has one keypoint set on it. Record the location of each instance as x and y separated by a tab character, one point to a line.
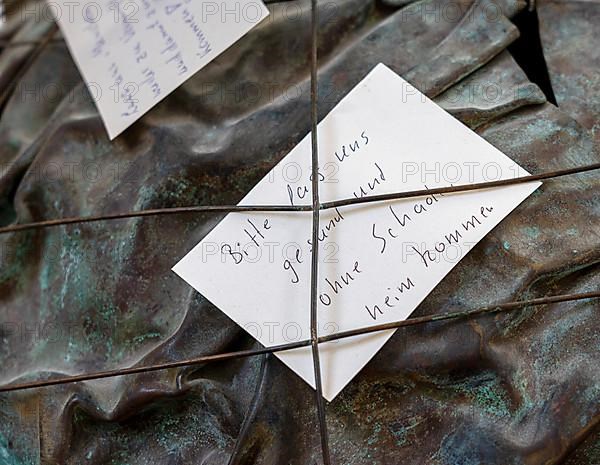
315	208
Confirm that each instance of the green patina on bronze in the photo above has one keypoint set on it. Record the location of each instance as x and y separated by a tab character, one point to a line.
517	388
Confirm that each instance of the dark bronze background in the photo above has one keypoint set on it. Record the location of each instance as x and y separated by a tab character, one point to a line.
518	388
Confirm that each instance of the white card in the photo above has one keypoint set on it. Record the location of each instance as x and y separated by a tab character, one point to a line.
378	261
133	53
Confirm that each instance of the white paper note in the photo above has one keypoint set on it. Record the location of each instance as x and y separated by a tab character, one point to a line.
133	53
377	261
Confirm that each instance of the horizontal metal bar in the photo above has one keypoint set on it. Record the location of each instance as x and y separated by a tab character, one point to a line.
25	43
509	306
152	212
297	208
462	187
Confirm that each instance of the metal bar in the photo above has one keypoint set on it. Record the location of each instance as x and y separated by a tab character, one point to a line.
462	187
316	211
4	44
299	208
505	307
154	212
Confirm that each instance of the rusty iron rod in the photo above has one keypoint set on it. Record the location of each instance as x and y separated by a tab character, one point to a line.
297	208
316	211
503	307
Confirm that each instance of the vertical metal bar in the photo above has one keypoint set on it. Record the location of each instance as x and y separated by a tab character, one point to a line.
315	237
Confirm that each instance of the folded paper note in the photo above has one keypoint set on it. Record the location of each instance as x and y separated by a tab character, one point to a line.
378	261
133	53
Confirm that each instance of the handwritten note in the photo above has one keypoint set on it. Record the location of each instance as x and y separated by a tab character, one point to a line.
133	53
378	261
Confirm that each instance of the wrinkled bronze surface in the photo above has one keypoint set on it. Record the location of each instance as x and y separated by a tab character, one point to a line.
570	33
498	390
